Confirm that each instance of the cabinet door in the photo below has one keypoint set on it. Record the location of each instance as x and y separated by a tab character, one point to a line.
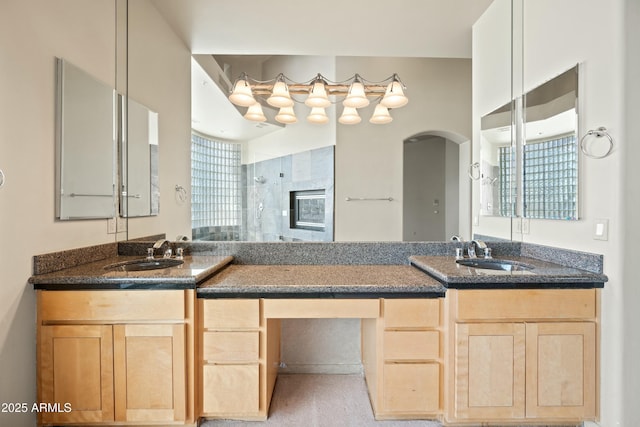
561	370
150	372
490	371
76	368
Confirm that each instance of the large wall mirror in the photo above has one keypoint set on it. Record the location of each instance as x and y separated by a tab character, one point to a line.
139	191
86	132
103	141
550	150
542	159
344	163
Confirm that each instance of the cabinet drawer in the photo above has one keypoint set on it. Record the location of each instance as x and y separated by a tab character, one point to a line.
230	389
112	305
411	313
411	345
231	346
231	313
522	304
411	387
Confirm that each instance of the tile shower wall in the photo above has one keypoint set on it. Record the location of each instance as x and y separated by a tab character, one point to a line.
267	186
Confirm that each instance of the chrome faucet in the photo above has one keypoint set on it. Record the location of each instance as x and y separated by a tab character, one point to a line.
456	238
471	249
159	244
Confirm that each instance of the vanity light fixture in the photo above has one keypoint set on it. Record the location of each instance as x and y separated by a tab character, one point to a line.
381	115
254	113
353	93
350	116
318	116
286	115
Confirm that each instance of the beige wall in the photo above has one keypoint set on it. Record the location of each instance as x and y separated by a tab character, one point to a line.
32	34
491	79
603	191
160	78
369	157
601	181
630	235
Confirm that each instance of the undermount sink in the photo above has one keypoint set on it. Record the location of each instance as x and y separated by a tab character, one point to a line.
144	264
495	264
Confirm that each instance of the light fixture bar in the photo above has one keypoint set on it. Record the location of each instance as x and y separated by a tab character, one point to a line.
354	92
332	89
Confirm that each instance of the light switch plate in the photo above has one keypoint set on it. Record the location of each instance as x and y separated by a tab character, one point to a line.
601	229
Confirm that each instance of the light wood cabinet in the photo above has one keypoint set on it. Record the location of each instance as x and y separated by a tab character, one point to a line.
113	366
561	370
239	352
536	364
75	366
402	358
149	372
490	370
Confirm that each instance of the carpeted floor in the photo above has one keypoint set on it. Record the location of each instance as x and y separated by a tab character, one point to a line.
320	401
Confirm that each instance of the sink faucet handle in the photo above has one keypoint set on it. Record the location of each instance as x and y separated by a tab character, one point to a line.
487	253
149	253
471	250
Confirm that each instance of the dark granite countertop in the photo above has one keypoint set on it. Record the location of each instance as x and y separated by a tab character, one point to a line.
93	275
543	275
321	281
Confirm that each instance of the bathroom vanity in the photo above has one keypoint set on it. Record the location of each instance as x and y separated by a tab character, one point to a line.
438	340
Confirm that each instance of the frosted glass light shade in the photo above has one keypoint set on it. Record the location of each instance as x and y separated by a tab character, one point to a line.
318	116
381	115
318	96
394	96
350	116
254	113
280	96
286	115
241	94
356	97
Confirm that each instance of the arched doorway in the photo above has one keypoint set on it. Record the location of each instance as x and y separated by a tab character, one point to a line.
436	190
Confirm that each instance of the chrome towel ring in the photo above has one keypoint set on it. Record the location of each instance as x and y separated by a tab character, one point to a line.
181	193
474	171
598	133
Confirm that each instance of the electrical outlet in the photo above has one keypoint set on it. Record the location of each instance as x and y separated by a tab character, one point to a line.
111	226
476	220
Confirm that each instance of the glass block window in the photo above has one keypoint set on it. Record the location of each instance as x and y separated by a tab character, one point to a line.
507	181
551	178
216	183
